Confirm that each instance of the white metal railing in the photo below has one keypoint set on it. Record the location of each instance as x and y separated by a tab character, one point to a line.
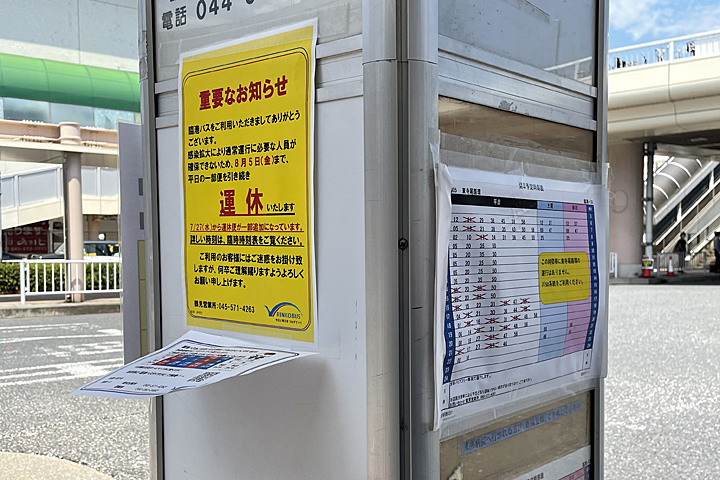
699	45
66	277
690	262
697	262
612	269
663	51
662	262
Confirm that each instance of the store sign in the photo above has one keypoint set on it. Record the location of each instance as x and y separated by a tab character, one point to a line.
27	239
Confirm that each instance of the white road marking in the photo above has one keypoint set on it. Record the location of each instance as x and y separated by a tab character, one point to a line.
84	349
44	325
56	337
110	331
57	372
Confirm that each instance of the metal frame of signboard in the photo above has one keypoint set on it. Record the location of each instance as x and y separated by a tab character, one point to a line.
405	66
146	51
472	75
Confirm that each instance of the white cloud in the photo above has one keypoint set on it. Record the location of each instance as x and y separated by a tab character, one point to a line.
663	18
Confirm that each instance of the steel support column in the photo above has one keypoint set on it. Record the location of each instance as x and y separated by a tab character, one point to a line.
649	153
72	196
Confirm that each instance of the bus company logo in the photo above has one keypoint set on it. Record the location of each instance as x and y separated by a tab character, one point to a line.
275	311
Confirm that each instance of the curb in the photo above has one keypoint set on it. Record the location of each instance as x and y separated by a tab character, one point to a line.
28	466
59	309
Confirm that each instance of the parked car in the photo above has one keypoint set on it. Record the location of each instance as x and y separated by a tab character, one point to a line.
91	249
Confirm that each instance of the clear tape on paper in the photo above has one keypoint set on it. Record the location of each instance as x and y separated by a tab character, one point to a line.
194	360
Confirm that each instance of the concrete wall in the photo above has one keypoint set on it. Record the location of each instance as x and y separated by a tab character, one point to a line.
626	209
102	33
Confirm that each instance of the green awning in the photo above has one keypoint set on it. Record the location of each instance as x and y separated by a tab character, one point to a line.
60	82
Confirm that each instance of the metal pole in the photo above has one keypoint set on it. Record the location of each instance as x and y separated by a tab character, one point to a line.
146	52
2	247
22	282
420	115
649	152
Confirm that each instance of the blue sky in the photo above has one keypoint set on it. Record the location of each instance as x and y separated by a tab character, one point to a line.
640	21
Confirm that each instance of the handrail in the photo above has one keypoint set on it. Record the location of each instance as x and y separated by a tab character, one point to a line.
665	41
680	193
663	52
709	234
613	268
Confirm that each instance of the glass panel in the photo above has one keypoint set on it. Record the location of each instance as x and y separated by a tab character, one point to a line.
514	130
37	186
547	442
89	181
8	192
106	118
554	35
1	108
21	109
109	181
61	112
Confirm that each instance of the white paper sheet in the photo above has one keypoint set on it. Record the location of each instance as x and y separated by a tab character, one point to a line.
194	360
521	272
575	466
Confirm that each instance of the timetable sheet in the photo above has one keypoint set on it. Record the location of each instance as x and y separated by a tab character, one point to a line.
523	303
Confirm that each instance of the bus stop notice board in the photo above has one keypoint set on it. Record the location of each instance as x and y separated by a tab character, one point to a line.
246	131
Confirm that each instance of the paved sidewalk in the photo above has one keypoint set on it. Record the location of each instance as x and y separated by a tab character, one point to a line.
25	466
55	308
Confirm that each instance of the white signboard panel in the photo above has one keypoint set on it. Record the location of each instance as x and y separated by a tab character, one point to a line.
184	25
521	306
575	466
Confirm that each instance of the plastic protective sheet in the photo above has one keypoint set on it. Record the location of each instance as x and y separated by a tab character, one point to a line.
552	441
247	147
520	286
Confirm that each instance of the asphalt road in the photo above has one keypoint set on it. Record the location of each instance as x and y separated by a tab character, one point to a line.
44	359
662	395
663	388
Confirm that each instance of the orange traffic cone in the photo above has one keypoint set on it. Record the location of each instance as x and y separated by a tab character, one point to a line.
670	272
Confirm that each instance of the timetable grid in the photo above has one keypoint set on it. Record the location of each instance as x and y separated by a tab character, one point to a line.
522	285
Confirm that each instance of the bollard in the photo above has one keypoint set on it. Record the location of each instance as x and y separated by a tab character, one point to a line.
647	264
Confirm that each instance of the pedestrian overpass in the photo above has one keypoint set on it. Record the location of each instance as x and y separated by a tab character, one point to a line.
34	188
666	92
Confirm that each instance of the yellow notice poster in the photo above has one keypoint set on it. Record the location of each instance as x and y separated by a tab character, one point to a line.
247	154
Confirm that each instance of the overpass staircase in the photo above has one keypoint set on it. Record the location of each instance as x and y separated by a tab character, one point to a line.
686	194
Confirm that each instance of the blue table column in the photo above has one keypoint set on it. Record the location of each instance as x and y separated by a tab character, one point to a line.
553	316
